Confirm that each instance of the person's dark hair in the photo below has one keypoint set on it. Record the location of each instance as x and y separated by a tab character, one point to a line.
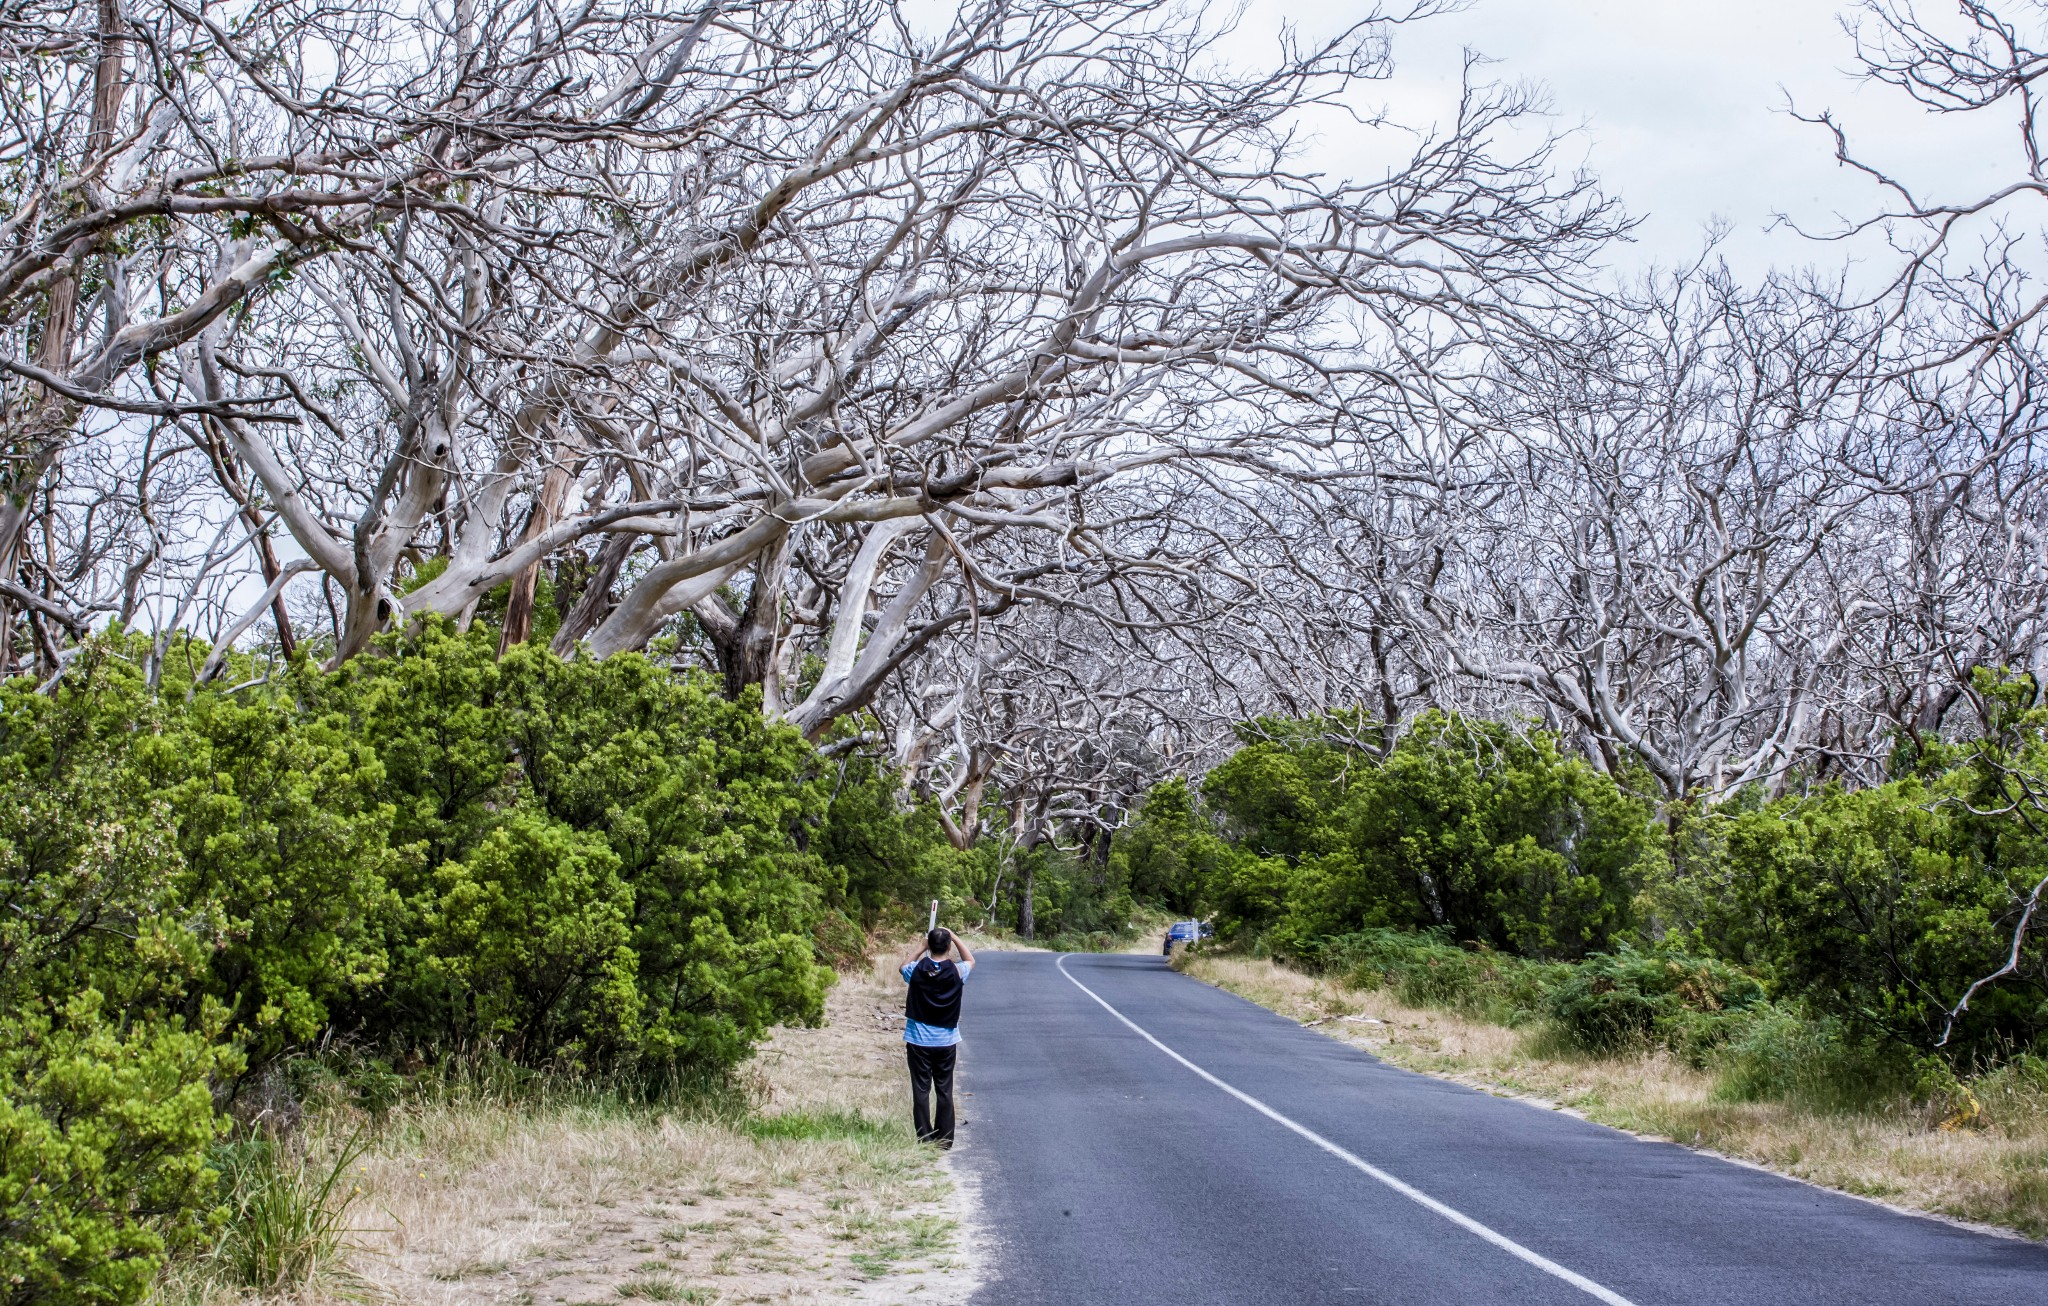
939	941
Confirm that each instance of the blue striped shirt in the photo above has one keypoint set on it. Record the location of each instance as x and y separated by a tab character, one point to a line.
933	1036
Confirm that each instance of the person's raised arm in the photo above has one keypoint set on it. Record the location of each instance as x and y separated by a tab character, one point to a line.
960	946
911	957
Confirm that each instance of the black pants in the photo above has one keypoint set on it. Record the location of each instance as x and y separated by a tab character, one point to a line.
931	1069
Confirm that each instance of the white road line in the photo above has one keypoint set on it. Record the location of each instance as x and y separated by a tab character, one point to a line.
1413	1194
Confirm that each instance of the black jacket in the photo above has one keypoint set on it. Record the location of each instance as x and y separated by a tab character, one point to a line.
934	997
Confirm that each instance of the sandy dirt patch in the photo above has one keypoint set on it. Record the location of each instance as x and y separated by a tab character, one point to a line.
821	1195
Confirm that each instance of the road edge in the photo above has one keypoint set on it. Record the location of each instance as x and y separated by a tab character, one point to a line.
1540	1103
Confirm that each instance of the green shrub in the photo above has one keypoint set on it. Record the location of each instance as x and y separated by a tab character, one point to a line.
1877	908
1628	1000
286	855
1491	835
712	811
1077	896
612	855
107	1046
90	888
1167	853
104	1132
527	946
174	855
883	849
433	857
602	864
1278	795
1249	894
1425	969
1088	941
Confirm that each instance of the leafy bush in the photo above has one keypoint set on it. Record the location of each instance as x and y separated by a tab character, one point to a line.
602	864
1615	1002
1280	793
90	891
104	1131
1605	1003
1490	835
105	1108
527	946
1076	894
1168	853
595	864
286	854
1873	909
1877	908
884	850
431	855
1425	969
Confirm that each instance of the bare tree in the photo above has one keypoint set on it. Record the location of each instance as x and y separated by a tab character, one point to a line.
1054	715
732	314
1967	565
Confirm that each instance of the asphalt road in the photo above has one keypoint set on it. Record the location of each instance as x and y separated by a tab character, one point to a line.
1111	1171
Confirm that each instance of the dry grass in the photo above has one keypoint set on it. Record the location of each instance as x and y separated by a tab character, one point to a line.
1992	1170
821	1194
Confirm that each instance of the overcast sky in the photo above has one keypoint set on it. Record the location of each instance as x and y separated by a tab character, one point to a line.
1682	108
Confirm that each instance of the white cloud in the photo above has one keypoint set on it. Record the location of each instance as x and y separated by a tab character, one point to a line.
1682	105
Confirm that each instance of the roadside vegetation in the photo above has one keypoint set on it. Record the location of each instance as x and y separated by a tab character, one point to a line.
303	978
1776	978
451	974
792	1181
450	971
504	971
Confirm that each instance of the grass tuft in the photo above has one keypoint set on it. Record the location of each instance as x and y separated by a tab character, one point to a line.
288	1212
660	1287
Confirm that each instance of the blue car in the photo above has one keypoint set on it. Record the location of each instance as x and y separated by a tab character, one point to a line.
1186	932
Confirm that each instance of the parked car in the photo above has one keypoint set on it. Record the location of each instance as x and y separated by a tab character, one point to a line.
1186	932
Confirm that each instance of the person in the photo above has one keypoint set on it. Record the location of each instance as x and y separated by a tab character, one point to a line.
931	1029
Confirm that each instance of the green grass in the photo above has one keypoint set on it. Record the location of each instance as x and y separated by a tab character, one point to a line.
288	1212
917	1236
824	1126
661	1287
